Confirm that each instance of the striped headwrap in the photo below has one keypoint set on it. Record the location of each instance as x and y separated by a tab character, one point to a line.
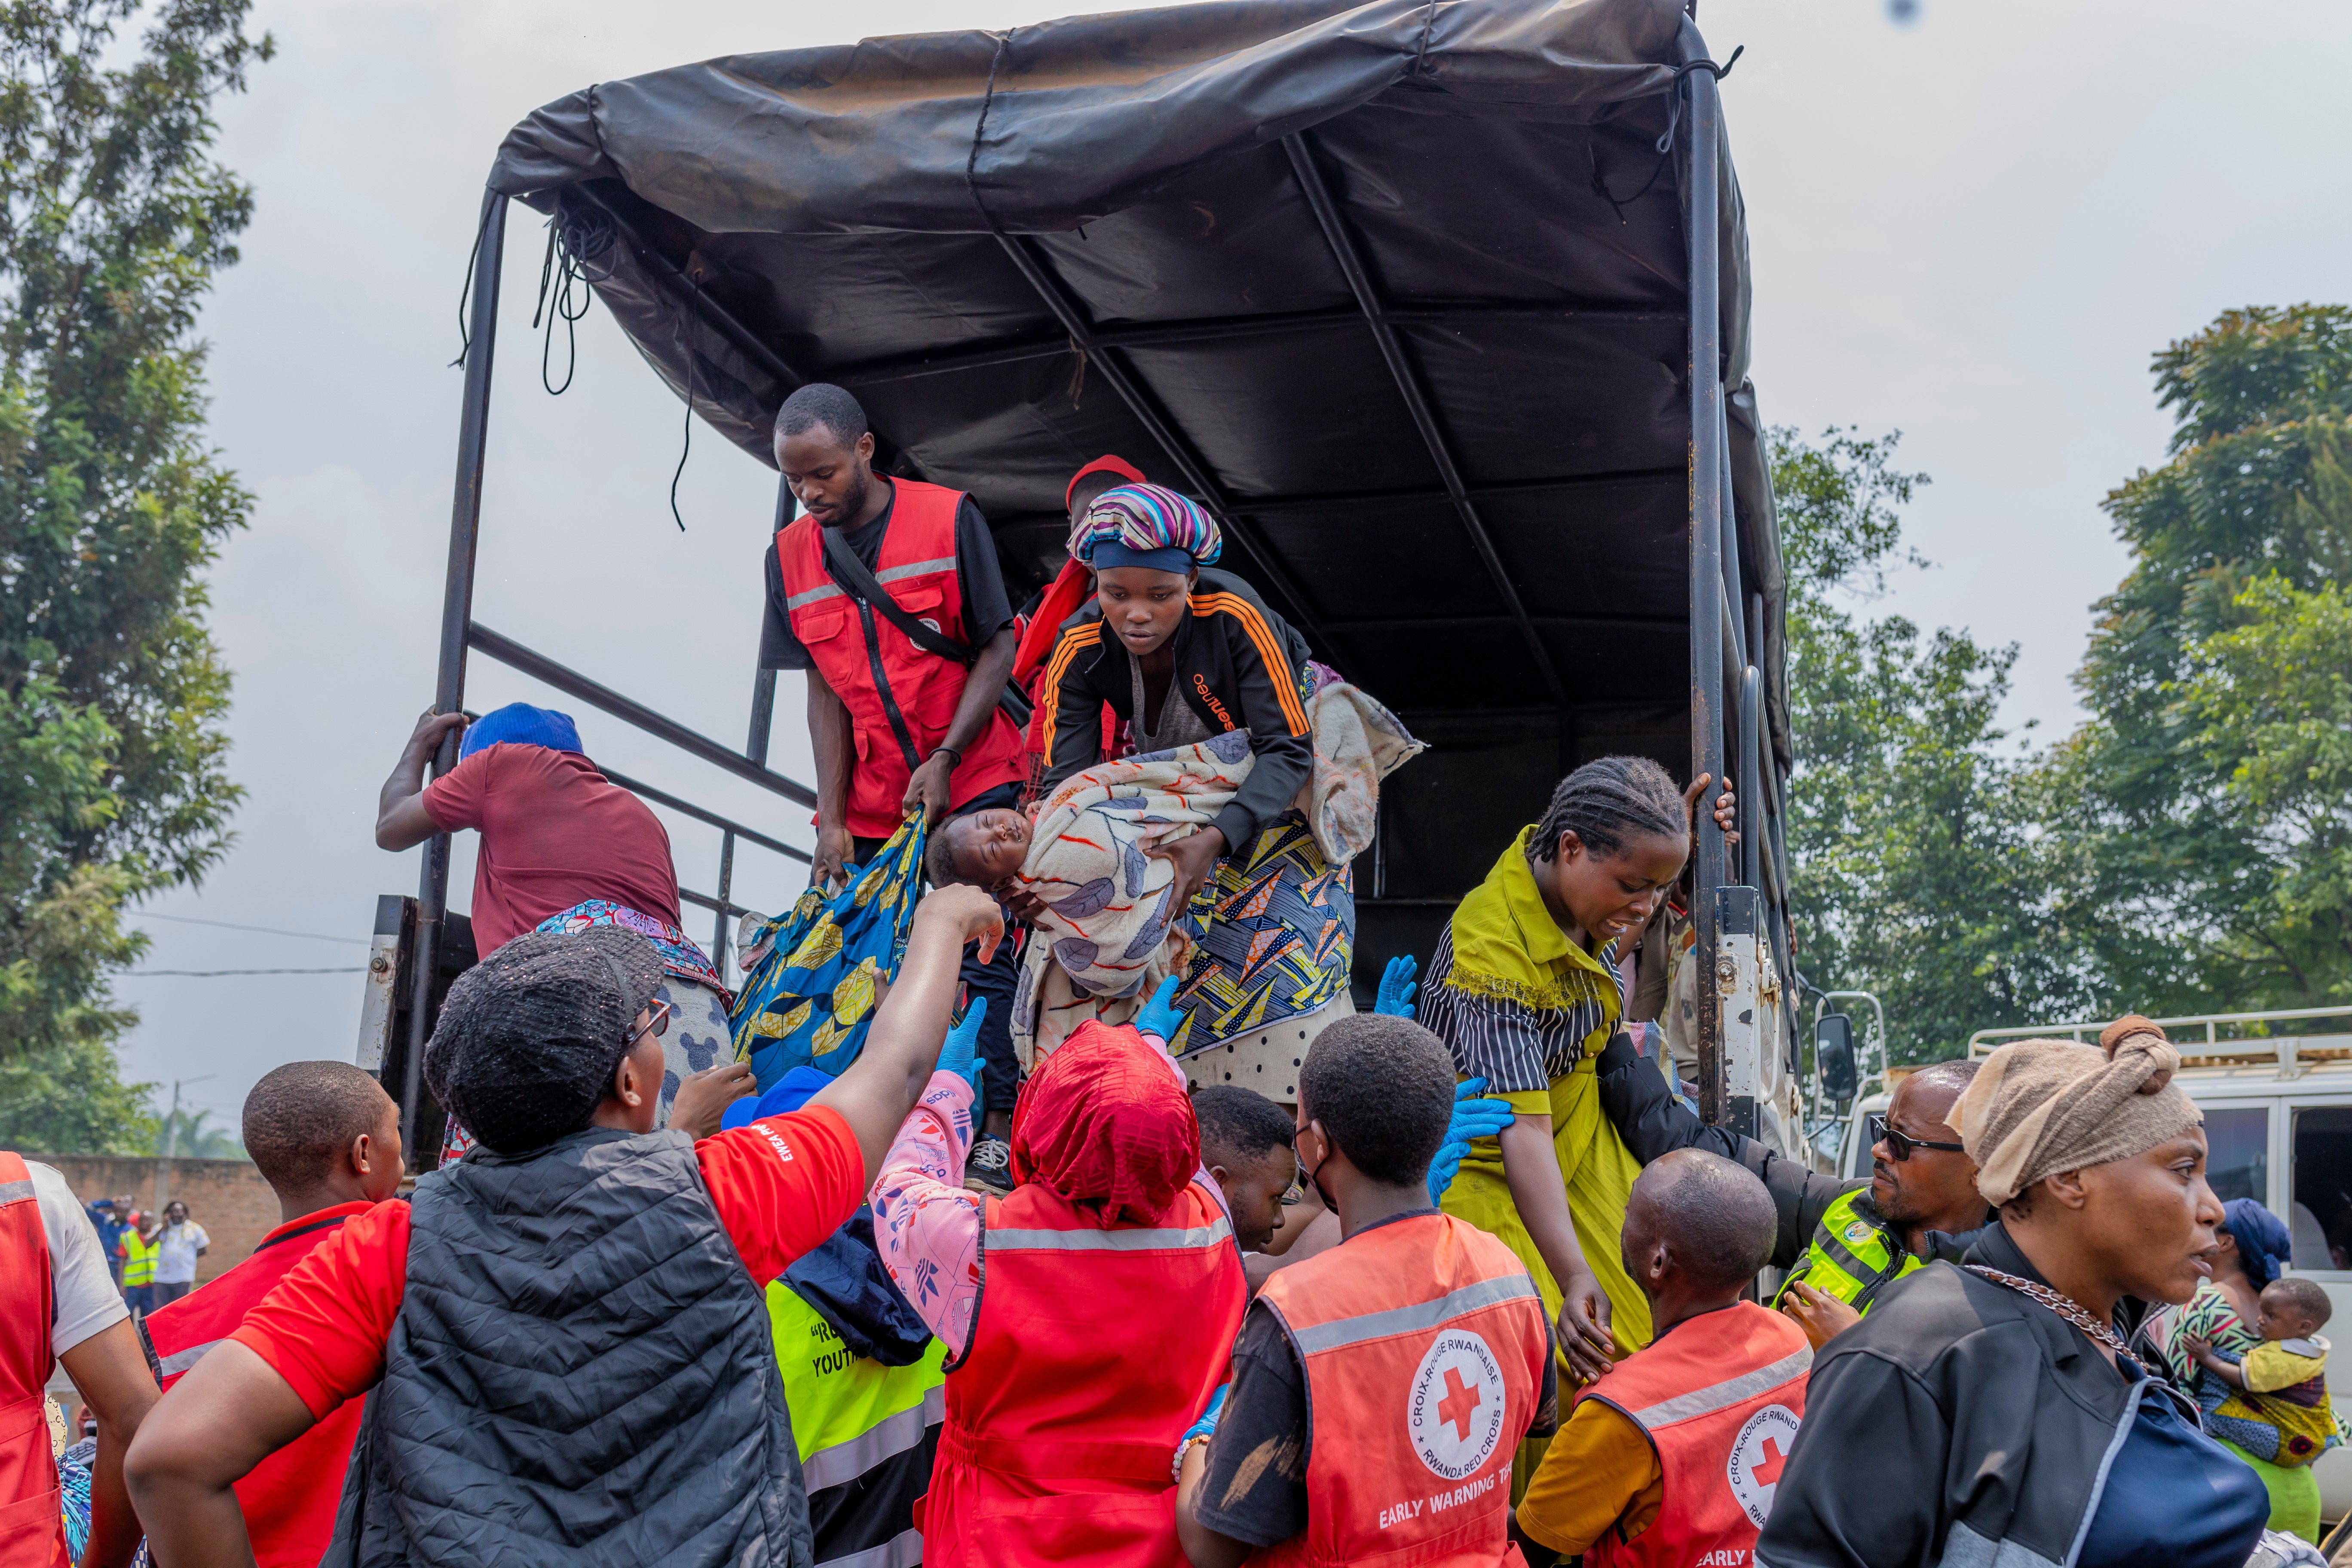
1145	525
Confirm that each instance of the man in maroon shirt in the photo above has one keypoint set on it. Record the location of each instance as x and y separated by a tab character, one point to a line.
559	839
555	832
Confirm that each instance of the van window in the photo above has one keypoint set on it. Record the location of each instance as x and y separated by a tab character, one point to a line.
2319	1210
2238	1151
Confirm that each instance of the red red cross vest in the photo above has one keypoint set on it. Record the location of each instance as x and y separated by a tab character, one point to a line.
1424	1342
1720	1398
32	1522
1091	1351
917	568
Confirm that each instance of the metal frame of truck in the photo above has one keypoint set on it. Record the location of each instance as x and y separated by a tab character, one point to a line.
1740	904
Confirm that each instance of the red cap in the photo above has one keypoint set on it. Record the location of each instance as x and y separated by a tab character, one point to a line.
1105	464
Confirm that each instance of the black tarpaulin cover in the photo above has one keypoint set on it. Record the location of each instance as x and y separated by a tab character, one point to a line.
904	216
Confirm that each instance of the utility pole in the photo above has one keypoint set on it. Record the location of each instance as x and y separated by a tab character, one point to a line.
171	1143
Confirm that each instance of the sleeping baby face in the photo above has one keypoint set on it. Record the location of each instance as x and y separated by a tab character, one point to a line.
987	848
2285	1310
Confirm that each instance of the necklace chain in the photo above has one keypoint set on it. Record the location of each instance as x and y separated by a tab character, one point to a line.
2065	1306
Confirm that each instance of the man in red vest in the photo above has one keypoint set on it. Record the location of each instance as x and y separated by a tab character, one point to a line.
1379	1388
57	1302
327	1139
906	648
1114	1288
1674	1456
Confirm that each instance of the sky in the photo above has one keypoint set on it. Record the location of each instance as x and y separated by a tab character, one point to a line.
1974	227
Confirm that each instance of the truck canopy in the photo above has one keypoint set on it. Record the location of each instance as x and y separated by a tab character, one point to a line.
1399	291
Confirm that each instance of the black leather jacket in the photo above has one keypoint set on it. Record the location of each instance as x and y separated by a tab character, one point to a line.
1237	666
1652	1122
1959	1422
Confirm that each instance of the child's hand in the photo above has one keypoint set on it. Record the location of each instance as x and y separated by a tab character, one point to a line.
2197	1349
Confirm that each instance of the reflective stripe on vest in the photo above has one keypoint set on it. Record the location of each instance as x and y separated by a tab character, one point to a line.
138	1260
32	1532
917	566
1091	1350
1423	1342
1720	1397
851	1414
1111	1240
1851	1258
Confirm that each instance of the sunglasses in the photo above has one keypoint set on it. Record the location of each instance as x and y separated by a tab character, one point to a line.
1899	1145
657	1027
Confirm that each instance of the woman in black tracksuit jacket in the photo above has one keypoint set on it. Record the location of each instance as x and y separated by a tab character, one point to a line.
1200	650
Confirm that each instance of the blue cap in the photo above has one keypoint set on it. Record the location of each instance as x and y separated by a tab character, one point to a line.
520	724
795	1089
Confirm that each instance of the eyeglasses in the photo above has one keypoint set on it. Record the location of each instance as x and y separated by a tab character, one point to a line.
656	1027
1899	1144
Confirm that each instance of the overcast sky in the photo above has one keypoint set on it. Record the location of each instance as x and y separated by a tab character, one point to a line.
1975	228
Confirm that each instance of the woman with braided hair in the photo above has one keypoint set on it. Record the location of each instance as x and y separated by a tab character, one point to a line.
2004	1390
1525	993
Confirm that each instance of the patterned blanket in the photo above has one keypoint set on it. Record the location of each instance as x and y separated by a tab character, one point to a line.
1271	935
816	973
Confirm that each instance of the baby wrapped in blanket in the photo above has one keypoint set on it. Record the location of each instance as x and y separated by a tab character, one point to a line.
1269	939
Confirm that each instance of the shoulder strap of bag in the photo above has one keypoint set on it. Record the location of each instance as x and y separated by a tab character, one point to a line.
860	583
844	566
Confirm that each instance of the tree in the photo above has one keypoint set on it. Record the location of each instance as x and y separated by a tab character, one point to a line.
1915	861
2200	815
189	1135
2271	699
113	218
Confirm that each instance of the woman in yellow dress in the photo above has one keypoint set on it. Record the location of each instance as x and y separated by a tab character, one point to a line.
1524	992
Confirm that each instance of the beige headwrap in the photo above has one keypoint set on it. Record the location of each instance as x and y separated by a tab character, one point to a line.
2040	1107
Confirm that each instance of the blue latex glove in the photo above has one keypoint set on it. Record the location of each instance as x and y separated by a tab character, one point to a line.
1396	991
1160	1015
1442	1168
960	1055
1474	1118
1207	1424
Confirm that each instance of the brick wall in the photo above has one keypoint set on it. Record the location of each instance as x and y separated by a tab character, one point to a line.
228	1197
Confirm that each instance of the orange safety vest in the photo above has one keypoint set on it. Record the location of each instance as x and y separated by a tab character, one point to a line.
32	1511
917	567
1424	1342
1093	1349
1720	1399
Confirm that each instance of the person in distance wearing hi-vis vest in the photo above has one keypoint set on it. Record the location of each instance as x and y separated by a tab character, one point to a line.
1843	1241
1671	1457
1381	1388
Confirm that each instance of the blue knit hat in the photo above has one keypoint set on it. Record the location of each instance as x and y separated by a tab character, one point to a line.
520	724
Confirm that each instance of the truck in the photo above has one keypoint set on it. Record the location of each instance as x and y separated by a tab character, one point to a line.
1441	310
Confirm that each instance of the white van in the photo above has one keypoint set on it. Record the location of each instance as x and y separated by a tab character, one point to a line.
2278	1125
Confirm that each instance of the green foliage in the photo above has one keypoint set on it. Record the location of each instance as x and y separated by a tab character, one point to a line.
2271	700
71	1099
2192	860
189	1135
1913	850
113	218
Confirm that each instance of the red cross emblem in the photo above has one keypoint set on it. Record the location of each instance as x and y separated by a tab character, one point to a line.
1456	1407
1767	1469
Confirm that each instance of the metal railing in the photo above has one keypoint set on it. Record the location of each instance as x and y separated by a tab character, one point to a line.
462	635
2283	1048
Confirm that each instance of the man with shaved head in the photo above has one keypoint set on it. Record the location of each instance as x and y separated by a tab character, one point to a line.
326	1137
1841	1241
1672	1457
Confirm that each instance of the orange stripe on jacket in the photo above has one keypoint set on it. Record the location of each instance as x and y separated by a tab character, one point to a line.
1050	688
1269	650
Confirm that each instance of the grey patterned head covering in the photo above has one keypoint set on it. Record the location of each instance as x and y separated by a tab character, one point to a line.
528	1038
